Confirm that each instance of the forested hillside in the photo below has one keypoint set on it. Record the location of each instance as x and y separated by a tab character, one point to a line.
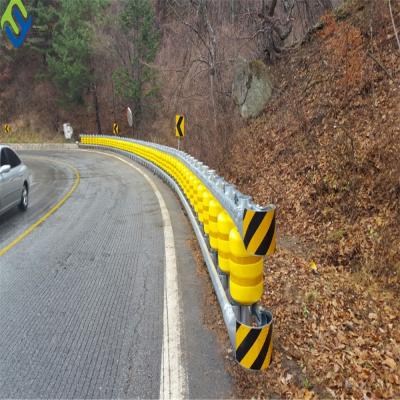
84	62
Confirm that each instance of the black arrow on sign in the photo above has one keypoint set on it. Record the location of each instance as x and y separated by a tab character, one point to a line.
178	126
115	129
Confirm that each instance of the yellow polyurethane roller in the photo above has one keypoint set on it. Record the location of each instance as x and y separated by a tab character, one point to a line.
225	225
246	281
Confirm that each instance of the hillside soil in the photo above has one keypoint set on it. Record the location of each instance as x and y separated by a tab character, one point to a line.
327	153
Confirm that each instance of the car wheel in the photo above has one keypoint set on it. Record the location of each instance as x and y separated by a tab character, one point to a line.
23	205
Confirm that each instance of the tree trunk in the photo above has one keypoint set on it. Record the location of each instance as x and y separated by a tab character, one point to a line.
97	109
161	10
235	9
272	8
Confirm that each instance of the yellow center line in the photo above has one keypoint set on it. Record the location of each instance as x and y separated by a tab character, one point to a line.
40	221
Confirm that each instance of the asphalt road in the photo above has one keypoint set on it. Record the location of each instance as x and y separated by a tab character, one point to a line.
81	297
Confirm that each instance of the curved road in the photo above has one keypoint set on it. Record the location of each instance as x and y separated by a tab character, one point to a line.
81	297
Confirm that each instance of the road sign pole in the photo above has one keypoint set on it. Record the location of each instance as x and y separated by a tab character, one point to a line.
179	143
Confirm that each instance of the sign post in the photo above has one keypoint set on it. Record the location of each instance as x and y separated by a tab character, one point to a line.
179	128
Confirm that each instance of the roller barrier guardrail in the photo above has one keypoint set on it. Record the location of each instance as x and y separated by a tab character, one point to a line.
234	235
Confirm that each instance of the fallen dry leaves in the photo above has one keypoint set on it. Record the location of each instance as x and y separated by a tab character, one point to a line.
335	335
327	152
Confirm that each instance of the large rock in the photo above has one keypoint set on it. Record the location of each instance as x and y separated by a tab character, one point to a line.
252	87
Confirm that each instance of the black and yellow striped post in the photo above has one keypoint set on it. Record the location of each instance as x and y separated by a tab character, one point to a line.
259	231
254	344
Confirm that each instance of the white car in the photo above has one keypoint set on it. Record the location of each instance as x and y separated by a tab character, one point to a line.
15	180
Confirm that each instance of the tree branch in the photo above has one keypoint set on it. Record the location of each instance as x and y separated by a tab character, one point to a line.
193	29
393	23
380	64
272	8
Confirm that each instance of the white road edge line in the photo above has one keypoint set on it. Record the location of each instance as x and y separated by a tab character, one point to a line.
173	377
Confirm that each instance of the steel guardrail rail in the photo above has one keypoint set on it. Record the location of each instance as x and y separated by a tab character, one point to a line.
233	201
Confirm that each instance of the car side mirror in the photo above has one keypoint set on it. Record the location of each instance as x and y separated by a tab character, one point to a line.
4	169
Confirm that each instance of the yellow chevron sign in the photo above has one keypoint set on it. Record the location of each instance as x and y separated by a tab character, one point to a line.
253	346
7	128
116	129
259	232
180	126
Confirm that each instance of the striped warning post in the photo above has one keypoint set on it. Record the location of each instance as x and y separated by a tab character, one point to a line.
254	346
259	232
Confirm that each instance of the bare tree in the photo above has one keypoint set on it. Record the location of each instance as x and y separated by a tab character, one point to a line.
204	73
205	34
273	30
279	23
161	10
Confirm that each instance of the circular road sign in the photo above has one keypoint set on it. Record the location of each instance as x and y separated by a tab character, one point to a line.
129	116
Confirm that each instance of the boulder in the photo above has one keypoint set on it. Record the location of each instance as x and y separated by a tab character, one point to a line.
251	88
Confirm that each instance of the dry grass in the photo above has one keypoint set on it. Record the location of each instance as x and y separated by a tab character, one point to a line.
30	137
29	129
